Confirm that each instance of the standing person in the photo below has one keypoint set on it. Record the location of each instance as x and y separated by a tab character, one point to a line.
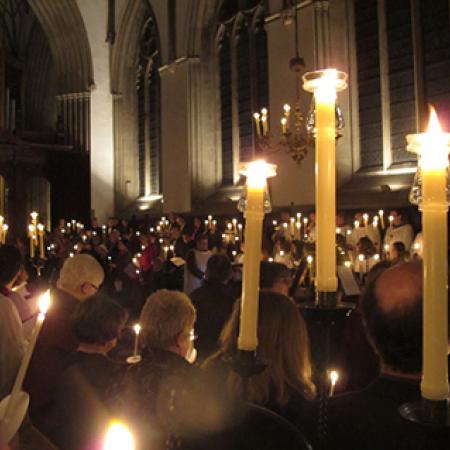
213	302
196	261
12	343
399	231
80	278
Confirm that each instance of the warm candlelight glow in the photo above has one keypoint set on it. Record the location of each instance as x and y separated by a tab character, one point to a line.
433	147
334	378
44	302
361	257
347	264
137	328
309	259
34	215
118	437
287	108
356	224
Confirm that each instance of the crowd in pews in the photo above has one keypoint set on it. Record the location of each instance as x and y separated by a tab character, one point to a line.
180	280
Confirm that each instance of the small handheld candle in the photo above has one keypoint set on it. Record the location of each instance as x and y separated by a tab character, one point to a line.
334	378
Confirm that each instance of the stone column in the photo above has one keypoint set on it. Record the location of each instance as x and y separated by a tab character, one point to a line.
175	148
95	16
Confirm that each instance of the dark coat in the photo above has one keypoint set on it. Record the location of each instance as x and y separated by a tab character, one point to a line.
50	357
370	420
214	303
85	401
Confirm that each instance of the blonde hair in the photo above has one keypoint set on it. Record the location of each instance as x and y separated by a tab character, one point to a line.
282	343
165	315
79	270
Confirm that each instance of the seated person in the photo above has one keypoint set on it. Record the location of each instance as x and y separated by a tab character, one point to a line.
166	398
285	385
213	302
369	420
275	277
88	386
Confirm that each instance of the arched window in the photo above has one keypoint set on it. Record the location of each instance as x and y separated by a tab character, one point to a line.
243	80
148	89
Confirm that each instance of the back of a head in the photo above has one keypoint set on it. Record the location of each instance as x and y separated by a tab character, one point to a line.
80	269
392	310
282	342
10	263
98	320
271	273
218	268
165	315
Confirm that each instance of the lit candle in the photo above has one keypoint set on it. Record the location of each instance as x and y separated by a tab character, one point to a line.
209	222
366	219
257	172
41	231
5	228
214	224
256	116
348	264
240	231
334	377
356	224
1	228
391	219
292	226
234	222
381	214
31	229
166	250
118	437
287	110
324	84
137	330
433	148
44	304
283	122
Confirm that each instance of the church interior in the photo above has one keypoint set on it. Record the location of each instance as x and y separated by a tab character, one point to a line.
225	224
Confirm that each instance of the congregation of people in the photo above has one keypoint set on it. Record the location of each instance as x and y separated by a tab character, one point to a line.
180	279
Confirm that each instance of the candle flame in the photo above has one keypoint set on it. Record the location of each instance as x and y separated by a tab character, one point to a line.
283	121
44	302
40	227
34	215
286	107
257	172
5	227
435	154
309	259
118	437
334	377
256	116
361	257
137	328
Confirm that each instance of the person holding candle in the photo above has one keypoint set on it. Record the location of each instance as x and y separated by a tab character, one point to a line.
89	385
80	278
165	394
392	311
196	261
398	230
12	344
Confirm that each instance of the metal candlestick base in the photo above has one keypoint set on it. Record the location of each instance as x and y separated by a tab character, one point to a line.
427	412
246	364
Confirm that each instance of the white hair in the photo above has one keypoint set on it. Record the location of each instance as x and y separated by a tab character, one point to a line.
79	270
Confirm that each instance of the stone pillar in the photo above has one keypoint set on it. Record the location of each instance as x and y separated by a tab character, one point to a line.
95	16
176	167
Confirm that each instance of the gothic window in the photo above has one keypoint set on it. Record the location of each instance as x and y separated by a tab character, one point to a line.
149	110
403	63
243	80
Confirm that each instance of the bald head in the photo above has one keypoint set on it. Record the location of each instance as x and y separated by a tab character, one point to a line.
392	312
399	288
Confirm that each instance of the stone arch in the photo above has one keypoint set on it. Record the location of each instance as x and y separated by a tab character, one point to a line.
66	33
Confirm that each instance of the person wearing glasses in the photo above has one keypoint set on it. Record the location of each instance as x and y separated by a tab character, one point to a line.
80	278
166	397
